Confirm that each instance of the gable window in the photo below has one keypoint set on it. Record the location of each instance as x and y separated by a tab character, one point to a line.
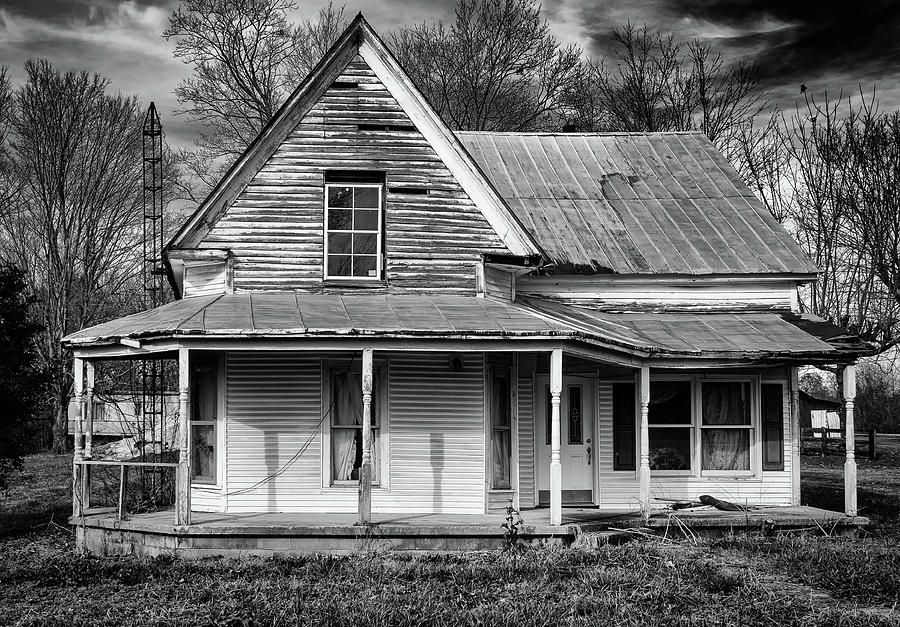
204	421
501	429
353	239
346	427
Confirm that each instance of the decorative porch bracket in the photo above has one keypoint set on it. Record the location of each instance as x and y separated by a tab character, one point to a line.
365	469
850	437
644	471
555	460
183	472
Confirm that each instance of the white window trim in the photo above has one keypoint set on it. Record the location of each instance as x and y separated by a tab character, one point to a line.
379	235
381	482
218	424
696	427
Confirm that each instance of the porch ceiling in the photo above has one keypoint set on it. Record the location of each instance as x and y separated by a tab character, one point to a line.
747	335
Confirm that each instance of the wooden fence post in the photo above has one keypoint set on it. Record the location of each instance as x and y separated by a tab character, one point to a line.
872	444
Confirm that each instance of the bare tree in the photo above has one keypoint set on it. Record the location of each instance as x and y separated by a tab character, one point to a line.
833	174
246	58
655	82
73	223
496	67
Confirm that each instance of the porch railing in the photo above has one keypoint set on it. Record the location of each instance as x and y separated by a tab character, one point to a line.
81	506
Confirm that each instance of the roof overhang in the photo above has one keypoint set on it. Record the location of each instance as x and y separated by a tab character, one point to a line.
297	321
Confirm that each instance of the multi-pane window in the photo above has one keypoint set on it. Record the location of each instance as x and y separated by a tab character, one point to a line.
353	233
501	429
670	425
204	418
726	428
346	427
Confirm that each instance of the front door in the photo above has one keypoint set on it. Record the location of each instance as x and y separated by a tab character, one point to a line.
576	432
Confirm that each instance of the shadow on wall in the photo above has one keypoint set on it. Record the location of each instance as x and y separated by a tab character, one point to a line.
436	455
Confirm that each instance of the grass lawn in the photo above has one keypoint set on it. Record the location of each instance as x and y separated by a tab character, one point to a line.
742	580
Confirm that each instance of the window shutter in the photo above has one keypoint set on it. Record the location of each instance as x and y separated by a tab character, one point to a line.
772	411
623	426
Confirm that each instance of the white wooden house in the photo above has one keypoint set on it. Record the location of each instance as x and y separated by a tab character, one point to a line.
467	318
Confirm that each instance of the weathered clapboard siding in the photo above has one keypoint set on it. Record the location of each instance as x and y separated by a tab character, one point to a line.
275	227
204	279
619	490
435	448
526	440
623	293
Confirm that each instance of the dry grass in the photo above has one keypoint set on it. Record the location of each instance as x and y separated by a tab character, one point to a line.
743	580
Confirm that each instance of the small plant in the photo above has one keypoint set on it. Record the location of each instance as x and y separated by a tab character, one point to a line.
512	528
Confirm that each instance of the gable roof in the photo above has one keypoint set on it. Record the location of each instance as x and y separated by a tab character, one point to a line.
359	38
632	203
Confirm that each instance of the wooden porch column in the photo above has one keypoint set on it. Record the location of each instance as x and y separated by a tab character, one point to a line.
89	410
365	469
795	436
78	455
644	470
183	472
555	460
850	436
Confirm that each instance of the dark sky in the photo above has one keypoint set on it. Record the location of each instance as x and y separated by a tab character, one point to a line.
825	45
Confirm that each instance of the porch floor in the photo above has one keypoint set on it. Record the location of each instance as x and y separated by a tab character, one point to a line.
266	533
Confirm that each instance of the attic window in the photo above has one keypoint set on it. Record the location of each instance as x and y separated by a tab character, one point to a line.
353	234
344	85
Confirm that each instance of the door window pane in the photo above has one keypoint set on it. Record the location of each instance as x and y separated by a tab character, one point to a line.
346	427
575	418
501	430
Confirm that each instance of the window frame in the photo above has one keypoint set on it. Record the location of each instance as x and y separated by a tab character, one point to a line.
508	428
217	423
381	465
379	246
753	386
696	427
690	425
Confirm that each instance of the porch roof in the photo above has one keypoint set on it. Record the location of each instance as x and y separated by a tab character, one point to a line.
766	335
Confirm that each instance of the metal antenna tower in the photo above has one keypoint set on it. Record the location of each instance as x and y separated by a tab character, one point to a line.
152	408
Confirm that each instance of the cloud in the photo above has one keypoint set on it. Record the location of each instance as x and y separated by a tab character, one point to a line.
823	44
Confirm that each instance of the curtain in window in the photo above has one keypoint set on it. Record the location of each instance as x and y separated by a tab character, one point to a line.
502	452
347	394
725	449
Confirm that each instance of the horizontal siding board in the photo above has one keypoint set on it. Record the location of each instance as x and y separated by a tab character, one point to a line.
280	213
435	448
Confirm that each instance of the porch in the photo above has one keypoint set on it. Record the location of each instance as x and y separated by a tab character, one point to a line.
268	533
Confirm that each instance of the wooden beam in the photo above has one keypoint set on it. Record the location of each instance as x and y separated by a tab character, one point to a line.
644	471
850	439
183	476
795	435
77	471
365	470
556	375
